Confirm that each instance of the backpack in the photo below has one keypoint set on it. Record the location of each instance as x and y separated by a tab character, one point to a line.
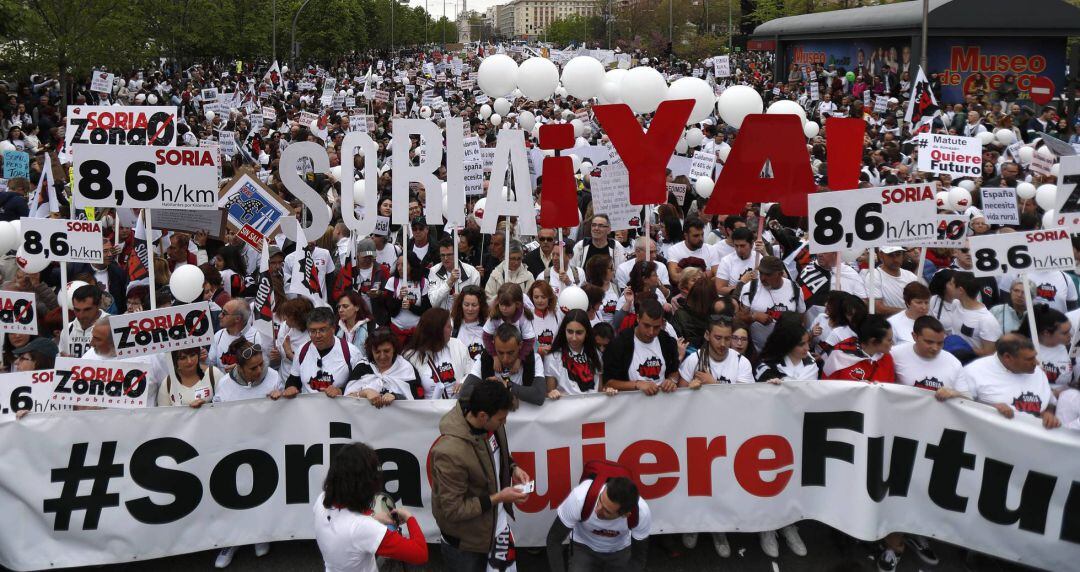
600	470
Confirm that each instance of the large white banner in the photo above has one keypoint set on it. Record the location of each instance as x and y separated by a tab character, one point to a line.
146	177
120	125
100	487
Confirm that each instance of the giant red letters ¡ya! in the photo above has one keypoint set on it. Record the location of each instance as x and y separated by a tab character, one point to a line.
558	195
779	140
844	145
645	155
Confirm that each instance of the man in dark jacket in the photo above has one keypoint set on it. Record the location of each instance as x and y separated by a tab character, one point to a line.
472	478
13	205
645	358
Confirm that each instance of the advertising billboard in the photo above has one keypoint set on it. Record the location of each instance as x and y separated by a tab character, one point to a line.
872	54
1027	59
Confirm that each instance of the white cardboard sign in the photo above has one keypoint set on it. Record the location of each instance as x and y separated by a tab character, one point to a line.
145	177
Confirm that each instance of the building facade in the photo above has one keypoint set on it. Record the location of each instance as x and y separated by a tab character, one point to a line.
529	19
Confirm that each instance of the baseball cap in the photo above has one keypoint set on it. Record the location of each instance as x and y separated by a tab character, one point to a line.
274	251
419	222
365	247
891	249
40	345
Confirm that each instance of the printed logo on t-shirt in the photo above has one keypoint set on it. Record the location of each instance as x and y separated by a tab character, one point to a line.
446	372
776	311
321	381
650	368
609	307
604	532
1046	291
988	292
1028	402
1052	370
364	287
966	330
857	373
546	337
385	267
931	383
475	349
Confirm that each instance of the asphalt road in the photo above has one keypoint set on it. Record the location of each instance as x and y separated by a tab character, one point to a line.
828	551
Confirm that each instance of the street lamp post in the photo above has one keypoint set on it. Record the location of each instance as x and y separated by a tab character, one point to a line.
293	39
925	18
273	8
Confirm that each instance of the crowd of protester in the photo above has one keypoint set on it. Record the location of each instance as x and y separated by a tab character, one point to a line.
702	300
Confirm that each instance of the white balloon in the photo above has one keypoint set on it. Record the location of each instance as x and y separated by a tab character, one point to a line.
537	78
643	89
358	193
186	283
561	91
425	112
7	146
959	199
851	256
1048	219
681	146
8	239
577	162
786	106
986	138
967	184
1045	151
703	186
496	119
1046	196
573	298
1025	190
209	115
1005	136
335	173
568	114
581	76
697	90
497	75
586	167
811	129
478	208
516	94
151	99
723	153
579	127
1055	171
737	102
694	137
30	264
611	88
71	288
1026	154
502	106
942	199
485	111
526	120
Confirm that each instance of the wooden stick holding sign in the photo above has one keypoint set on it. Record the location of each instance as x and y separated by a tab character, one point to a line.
1022	252
871	266
150	257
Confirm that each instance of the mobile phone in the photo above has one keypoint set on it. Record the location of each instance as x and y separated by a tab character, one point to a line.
527	488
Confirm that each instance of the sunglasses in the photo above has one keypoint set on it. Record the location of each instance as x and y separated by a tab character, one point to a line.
250	352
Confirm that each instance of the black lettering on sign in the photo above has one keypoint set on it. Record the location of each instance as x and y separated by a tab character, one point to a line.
817	447
185	488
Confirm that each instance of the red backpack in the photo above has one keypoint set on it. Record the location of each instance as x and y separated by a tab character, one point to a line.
600	470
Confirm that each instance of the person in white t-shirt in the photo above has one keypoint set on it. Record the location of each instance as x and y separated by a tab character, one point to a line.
349	534
768	297
1054	334
604	540
916	305
921	363
692	246
1054	288
1009	381
715	363
573	366
326	363
622	272
886	283
738	267
969	318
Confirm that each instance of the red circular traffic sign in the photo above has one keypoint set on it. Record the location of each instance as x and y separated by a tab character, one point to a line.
1042	90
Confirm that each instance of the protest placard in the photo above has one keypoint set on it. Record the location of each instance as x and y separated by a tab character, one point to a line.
879	216
213	222
27	390
722	66
1068	187
120	125
999	205
950	154
1018	252
18	312
162	330
881	104
16	164
101	81
253	210
1041	164
145	177
227	139
611	196
112	384
62	240
382	226
678	190
703	164
209	94
951	233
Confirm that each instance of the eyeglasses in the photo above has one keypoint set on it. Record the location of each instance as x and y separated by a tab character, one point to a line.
319	331
739	338
545	239
250	351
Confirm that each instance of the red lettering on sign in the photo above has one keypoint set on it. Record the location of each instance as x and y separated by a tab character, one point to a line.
749	464
646	154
